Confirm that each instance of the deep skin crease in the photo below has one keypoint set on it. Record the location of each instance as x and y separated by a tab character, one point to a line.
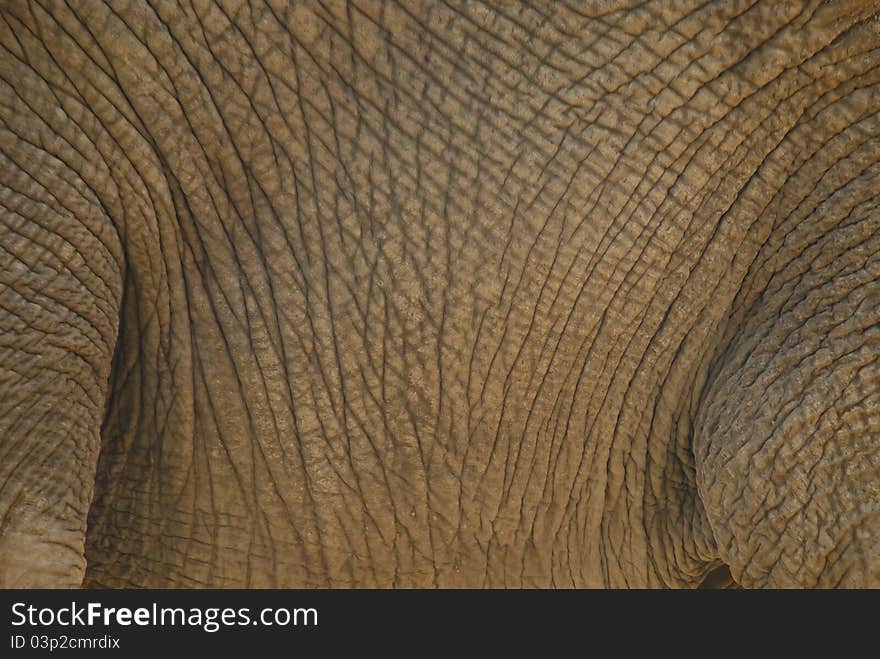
435	294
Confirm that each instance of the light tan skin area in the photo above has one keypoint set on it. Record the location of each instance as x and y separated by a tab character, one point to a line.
439	294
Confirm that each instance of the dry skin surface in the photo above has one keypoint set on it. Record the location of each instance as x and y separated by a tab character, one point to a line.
425	294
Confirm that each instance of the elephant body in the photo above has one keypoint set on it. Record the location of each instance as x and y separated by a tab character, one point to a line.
405	294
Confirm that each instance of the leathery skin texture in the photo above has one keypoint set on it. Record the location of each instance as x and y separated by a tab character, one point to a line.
435	294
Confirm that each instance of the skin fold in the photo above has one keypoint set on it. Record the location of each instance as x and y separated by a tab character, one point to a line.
439	294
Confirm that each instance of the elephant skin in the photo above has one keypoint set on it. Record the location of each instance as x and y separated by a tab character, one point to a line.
423	294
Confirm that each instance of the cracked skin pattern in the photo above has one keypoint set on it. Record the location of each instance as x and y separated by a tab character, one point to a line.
442	294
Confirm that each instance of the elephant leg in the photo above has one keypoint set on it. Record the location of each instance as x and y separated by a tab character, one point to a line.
60	284
788	438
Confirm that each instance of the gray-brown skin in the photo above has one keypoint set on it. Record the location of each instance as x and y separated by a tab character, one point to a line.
439	294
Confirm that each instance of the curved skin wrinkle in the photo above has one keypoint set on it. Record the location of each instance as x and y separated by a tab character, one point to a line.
418	294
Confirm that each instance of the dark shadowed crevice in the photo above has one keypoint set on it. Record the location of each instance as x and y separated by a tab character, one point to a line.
719	578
